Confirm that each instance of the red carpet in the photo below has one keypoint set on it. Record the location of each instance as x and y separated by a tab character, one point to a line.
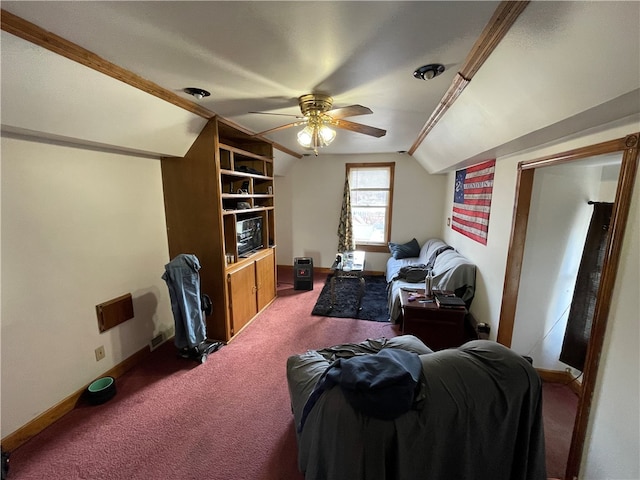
559	406
227	419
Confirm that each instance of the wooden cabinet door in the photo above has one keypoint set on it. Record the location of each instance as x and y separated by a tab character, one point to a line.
266	279
242	296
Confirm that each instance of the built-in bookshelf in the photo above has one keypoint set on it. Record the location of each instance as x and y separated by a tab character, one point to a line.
225	177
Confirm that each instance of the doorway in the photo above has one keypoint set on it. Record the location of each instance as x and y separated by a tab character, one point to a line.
628	148
559	220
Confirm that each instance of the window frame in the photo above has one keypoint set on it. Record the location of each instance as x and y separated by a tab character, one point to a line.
382	247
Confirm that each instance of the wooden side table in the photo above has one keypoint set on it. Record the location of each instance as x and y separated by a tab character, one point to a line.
438	328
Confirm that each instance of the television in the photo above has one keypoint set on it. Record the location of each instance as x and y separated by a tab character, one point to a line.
249	235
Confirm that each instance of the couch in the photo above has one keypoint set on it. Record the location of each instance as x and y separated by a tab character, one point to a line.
475	413
451	271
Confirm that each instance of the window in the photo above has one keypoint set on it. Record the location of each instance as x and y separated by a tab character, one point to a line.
371	190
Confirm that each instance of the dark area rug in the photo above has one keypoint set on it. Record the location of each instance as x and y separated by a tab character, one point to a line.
373	304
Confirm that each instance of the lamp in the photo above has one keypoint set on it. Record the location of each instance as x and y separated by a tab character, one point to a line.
197	93
427	72
317	133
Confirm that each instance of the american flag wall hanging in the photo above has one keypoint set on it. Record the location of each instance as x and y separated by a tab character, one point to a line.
472	200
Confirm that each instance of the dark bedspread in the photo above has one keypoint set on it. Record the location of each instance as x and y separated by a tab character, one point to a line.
478	418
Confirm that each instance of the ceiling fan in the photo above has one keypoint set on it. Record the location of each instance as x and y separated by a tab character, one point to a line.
318	118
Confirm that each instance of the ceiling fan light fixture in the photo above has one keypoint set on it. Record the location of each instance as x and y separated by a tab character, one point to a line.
305	136
318	116
327	134
427	72
197	93
316	134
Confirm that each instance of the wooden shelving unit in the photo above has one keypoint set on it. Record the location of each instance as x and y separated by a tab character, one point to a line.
226	176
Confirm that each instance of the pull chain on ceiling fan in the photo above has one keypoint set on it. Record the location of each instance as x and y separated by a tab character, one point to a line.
319	118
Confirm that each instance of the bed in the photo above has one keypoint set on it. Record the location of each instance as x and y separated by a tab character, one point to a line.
451	271
476	414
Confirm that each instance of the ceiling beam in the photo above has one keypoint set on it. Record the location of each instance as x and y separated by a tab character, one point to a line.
499	24
31	32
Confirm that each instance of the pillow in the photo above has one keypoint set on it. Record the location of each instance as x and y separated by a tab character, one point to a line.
404	250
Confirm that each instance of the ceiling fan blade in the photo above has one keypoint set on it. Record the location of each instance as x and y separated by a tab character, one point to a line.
282	127
350	111
280	114
360	128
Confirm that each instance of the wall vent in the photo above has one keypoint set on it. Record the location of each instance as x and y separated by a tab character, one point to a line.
156	341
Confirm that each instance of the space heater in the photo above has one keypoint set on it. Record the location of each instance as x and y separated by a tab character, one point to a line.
303	273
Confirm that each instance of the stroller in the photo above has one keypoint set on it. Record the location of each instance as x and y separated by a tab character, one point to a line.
189	308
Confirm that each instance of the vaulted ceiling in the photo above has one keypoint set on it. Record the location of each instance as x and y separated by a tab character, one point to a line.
560	68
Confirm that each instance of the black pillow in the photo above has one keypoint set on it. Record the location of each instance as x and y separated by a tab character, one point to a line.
405	250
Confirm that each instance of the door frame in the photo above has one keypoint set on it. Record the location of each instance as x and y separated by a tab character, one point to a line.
629	147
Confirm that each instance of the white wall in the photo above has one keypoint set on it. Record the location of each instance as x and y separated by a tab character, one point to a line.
612	444
79	227
613	440
490	259
309	199
558	222
283	201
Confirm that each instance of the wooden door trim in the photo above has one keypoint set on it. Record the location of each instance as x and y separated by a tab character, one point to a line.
619	217
524	189
628	146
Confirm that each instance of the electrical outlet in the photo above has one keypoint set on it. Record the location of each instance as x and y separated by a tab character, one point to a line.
99	353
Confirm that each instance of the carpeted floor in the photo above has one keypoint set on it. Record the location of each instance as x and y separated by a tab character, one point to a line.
228	419
373	304
559	406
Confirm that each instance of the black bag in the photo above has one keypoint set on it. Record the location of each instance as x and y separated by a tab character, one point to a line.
413	273
206	305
